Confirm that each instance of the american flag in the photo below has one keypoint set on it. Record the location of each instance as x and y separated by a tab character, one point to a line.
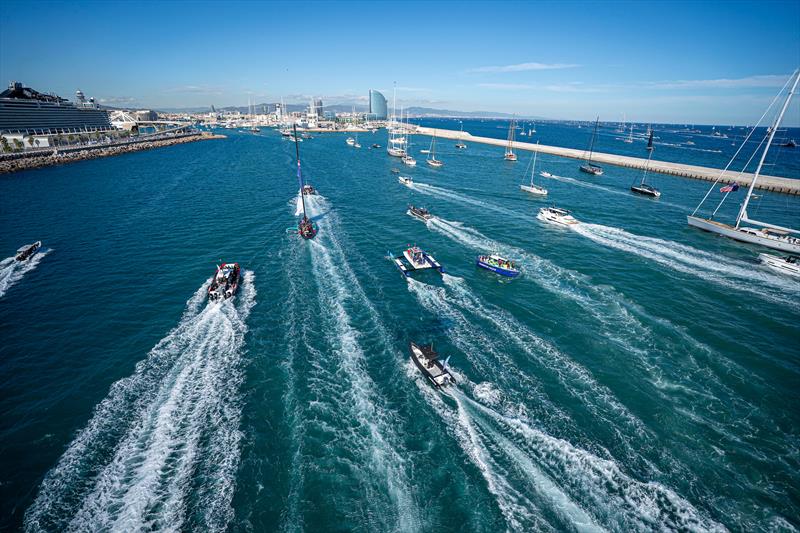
730	188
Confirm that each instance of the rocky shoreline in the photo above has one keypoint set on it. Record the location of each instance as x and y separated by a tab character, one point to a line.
26	161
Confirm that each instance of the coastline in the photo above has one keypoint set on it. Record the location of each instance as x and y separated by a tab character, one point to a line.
46	158
767	183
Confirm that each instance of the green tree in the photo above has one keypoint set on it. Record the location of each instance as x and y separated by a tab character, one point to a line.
18	144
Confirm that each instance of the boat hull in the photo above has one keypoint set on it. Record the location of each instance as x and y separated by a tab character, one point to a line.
26	252
744	236
780	264
646	192
436	375
497	270
591	169
532	189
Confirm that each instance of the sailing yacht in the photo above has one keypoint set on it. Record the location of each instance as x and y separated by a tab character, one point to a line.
629	140
533	189
432	161
510	155
396	146
589	167
305	228
642	187
460	144
765	234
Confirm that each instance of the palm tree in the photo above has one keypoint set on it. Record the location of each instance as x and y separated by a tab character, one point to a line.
18	144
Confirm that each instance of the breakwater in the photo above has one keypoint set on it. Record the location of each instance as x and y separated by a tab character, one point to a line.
768	183
45	158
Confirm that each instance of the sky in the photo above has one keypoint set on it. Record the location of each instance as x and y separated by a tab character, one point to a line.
682	62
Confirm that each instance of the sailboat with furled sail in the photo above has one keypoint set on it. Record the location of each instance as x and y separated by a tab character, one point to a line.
534	189
432	161
305	228
589	167
642	187
764	233
512	129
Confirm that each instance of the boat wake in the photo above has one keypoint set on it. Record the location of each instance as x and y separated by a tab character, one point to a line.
626	193
11	270
722	270
544	483
348	414
162	449
432	190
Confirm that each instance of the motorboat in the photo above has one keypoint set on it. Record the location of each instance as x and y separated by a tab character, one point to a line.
645	189
419	212
789	264
357	145
28	251
395	171
304	227
255	129
415	258
286	132
376	145
426	359
405	180
789	144
424	151
306	136
557	216
592	169
350	141
499	265
410	161
460	145
308	189
225	282
545	174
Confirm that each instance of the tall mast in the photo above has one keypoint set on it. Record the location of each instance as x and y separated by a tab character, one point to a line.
772	132
535	153
591	144
299	174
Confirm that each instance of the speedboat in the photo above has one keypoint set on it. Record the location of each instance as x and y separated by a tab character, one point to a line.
499	265
255	129
647	190
308	189
408	182
395	171
689	143
286	132
545	174
789	144
427	361
410	161
225	282
306	229
557	216
350	141
357	145
376	145
589	168
415	258
786	265
424	151
419	212
460	145
25	252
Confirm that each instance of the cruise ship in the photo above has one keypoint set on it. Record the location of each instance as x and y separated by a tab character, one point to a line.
28	112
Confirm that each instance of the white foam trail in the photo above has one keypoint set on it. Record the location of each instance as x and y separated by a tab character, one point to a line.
379	450
725	271
628	194
620	502
520	513
11	270
162	449
432	190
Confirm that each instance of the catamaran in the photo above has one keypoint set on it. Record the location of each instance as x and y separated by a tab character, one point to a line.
305	228
510	155
534	189
589	167
415	258
642	187
432	161
765	234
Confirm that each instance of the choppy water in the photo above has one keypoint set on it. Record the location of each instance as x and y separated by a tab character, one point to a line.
639	375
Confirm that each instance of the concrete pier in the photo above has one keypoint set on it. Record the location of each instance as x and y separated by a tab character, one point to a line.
767	183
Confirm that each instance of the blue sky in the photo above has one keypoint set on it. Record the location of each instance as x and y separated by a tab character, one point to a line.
688	62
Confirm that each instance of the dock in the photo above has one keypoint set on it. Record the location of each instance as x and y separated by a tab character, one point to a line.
767	183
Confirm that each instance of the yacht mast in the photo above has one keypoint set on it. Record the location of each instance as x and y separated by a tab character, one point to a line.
299	173
773	130
533	170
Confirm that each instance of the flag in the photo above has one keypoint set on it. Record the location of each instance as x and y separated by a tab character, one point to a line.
730	188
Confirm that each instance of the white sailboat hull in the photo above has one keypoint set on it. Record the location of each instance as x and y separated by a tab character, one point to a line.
533	189
750	235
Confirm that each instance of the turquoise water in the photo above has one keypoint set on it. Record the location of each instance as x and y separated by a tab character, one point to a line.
639	375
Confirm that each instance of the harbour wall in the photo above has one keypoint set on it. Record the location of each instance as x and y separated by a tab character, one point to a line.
767	183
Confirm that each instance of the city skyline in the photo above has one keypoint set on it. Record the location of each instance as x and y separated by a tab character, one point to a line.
573	61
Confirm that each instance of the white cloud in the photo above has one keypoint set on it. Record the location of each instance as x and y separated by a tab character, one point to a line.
721	83
523	67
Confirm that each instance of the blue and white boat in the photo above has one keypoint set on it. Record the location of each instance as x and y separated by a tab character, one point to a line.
499	265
